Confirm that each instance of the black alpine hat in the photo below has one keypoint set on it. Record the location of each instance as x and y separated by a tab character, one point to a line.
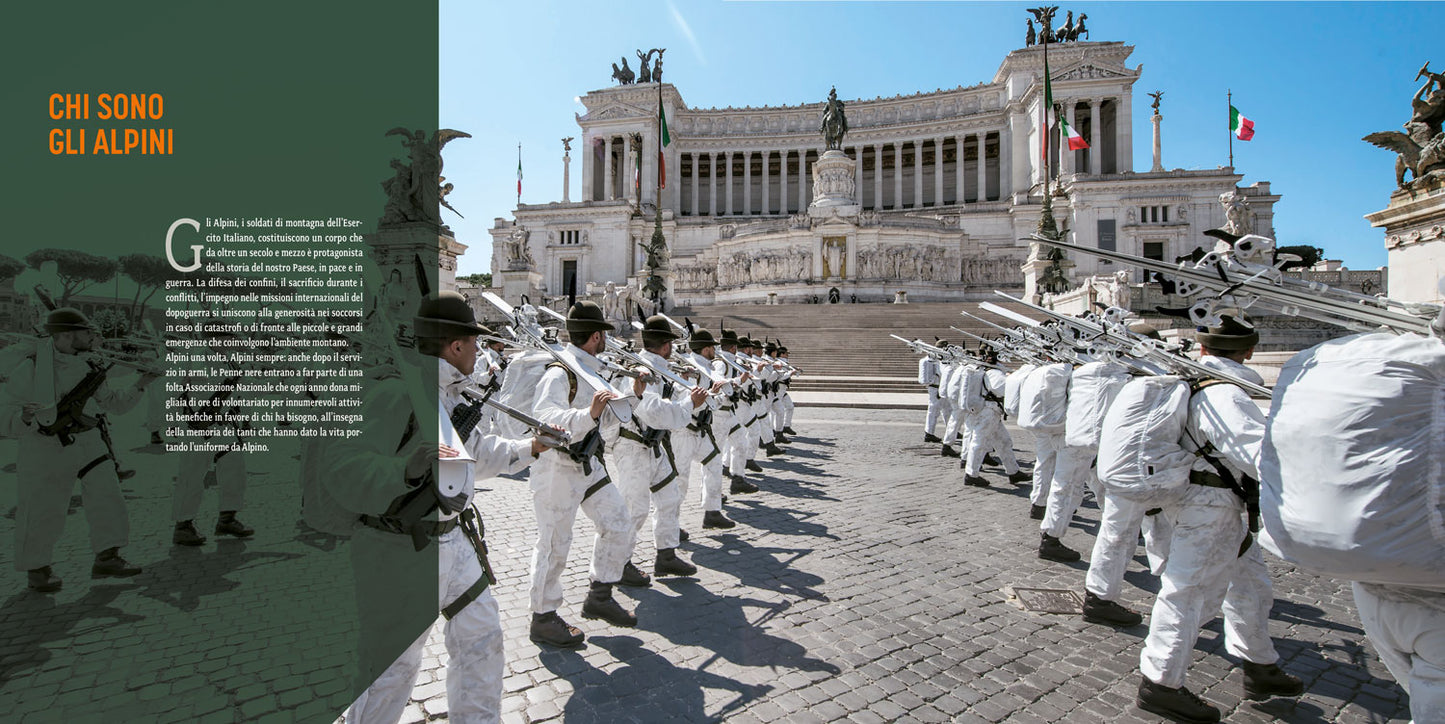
446	314
1230	335
700	340
586	316
67	319
657	330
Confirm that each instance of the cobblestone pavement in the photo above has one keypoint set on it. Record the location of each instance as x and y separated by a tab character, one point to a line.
864	583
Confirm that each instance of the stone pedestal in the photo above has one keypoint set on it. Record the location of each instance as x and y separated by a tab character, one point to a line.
395	248
1414	224
900	297
516	282
834	187
1034	270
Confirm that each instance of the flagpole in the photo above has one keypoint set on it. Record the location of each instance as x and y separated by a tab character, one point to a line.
519	174
1047	226
1229	95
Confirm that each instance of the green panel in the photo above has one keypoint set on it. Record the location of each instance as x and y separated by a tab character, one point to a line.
273	109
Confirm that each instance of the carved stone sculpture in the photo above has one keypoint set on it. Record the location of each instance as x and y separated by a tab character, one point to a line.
623	75
1421	148
1236	213
414	192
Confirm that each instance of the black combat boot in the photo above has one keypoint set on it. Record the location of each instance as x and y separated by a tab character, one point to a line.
186	534
779	437
228	525
976	481
754	466
927	437
789	430
633	577
716	519
1178	704
741	485
1037	512
682	535
601	604
772	449
668	564
949	452
1262	681
989	459
109	563
40	580
1109	613
1020	477
550	629
1052	549
726	472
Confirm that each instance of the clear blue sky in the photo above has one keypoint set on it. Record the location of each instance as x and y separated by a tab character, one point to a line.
1314	77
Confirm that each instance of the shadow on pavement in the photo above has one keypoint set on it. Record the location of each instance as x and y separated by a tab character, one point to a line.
771	569
32	620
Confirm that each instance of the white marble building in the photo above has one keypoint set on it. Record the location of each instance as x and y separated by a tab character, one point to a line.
946	182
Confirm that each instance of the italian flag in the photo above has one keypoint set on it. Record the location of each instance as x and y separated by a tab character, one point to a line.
519	172
664	140
1076	142
1241	127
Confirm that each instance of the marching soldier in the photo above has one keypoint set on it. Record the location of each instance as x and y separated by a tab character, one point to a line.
737	459
787	398
708	449
193	465
54	404
1212	556
929	376
405	504
647	466
566	481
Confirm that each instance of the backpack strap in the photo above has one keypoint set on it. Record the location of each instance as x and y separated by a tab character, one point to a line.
571	380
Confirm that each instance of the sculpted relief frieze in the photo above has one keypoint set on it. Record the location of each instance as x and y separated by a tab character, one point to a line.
790	264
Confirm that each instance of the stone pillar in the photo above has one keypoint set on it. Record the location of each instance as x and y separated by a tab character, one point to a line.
959	177
917	175
1096	159
938	171
983	166
728	156
1123	134
566	176
696	169
1020	161
1005	167
674	160
858	175
607	181
712	184
877	176
783	182
802	180
588	158
747	182
767	183
897	174
1158	156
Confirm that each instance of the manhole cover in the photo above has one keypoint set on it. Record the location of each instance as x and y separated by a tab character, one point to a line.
1049	600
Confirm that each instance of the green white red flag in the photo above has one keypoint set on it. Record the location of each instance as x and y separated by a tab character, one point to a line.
1241	127
1076	142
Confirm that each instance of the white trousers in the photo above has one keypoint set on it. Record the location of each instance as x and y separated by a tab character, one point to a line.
787	409
710	472
1120	521
1046	456
476	662
558	486
191	477
1409	632
989	434
1204	572
953	419
1072	473
45	477
638	469
935	410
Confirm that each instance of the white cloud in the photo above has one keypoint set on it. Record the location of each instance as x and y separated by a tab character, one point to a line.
687	32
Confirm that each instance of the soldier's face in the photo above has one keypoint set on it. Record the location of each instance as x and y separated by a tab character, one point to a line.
708	352
462	353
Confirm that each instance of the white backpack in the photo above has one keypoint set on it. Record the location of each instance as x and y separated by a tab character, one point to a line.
1139	450
1353	465
1044	399
520	382
971	392
1091	389
1011	386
